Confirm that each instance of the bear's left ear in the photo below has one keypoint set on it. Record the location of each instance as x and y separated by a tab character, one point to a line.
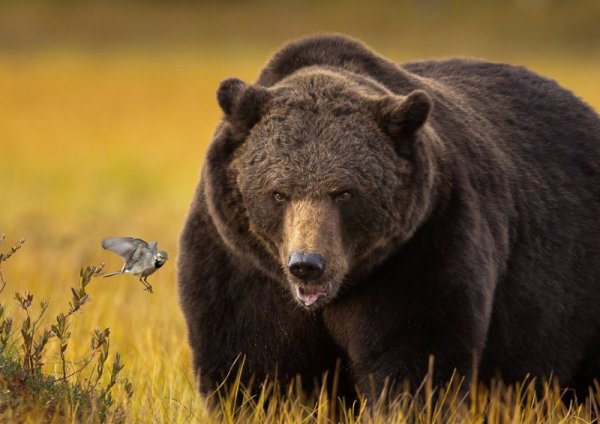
242	104
399	116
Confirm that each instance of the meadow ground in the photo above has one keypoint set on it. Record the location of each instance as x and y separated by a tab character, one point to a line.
98	143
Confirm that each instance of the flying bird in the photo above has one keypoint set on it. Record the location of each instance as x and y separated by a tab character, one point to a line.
140	258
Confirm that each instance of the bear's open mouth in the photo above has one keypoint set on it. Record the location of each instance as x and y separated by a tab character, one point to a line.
308	295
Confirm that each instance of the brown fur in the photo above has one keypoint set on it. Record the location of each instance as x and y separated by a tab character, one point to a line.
472	225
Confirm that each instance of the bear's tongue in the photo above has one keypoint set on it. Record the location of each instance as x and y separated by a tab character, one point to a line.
309	295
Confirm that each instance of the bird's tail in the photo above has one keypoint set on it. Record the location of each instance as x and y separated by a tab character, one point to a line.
111	274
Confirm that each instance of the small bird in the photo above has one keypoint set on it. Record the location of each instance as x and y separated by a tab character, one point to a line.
141	258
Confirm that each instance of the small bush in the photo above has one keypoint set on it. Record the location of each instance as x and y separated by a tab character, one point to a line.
72	393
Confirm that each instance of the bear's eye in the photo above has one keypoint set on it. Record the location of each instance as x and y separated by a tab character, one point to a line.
342	196
278	197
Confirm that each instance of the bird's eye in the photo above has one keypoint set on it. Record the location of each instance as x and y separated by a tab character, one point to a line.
278	197
342	196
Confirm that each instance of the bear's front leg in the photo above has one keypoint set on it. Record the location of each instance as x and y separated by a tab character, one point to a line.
264	333
389	332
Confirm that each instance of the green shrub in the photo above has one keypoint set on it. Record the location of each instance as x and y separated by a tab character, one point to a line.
71	393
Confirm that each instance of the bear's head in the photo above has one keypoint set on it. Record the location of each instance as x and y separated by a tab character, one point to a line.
318	178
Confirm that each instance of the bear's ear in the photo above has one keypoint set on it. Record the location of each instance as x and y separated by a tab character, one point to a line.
242	104
404	115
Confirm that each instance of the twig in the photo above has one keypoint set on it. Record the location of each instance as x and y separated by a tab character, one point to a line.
5	256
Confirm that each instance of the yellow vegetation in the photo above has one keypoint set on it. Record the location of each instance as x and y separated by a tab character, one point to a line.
109	143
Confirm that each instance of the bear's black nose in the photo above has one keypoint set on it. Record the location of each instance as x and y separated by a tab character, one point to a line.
306	266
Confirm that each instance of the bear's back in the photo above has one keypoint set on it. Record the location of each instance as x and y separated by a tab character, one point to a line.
537	124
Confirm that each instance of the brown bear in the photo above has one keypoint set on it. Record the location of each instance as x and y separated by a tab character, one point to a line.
357	210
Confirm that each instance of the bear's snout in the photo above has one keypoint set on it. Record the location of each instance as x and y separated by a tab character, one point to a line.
306	266
312	253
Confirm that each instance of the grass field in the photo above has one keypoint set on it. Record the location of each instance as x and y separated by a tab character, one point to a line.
109	142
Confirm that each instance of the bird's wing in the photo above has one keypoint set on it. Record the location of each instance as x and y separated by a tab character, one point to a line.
141	257
123	246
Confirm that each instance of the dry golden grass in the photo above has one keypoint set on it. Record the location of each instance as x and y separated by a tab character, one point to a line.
109	144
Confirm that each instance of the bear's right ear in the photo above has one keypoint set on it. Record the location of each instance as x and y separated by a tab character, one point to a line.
403	115
242	104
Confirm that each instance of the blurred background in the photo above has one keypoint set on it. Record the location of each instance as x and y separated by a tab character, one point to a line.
106	109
